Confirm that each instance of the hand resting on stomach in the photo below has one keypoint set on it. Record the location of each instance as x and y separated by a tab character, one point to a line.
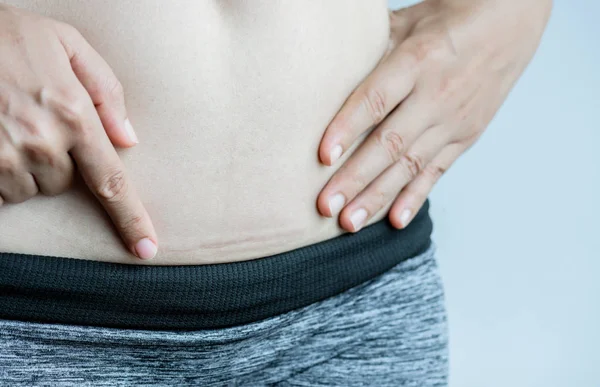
229	102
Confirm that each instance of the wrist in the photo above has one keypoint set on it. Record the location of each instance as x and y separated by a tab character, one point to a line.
526	18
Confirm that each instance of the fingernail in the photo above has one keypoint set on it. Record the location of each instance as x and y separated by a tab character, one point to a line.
358	218
404	217
130	132
336	203
335	153
145	249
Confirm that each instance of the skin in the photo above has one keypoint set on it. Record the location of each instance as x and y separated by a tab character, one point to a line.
229	100
425	101
60	104
450	66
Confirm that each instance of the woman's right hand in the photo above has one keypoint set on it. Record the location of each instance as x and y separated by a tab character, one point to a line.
61	103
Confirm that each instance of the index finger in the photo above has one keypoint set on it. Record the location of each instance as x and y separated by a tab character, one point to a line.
390	83
105	175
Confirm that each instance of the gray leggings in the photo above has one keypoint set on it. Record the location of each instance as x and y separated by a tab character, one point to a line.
390	331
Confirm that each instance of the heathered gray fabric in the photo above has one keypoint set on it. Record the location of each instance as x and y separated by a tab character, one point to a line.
390	331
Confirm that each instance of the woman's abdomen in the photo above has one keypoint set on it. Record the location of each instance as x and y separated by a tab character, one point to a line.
229	100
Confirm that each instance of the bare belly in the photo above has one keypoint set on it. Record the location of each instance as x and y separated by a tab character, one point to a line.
229	100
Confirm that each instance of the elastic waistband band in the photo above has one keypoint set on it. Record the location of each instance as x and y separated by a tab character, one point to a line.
83	292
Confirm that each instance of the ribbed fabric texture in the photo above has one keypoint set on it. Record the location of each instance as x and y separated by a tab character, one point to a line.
82	292
390	331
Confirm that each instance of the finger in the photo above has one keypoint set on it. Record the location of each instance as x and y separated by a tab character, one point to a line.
103	87
382	148
382	191
412	197
105	175
52	172
39	148
388	85
17	186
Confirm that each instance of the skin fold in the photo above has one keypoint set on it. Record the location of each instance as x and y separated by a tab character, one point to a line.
243	113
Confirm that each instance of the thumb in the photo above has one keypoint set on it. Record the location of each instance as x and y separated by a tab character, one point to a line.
102	85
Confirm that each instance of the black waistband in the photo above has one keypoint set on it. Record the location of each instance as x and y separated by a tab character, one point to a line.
81	292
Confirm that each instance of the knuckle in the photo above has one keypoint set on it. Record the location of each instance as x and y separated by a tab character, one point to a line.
375	104
420	48
133	222
393	143
115	89
39	153
70	106
358	180
380	197
435	171
430	47
352	178
31	123
447	88
113	188
108	89
413	164
8	165
74	116
59	180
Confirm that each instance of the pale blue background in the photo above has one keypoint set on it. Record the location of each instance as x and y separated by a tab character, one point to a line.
516	223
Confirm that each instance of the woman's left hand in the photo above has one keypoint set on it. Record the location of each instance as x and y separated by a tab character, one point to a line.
450	65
